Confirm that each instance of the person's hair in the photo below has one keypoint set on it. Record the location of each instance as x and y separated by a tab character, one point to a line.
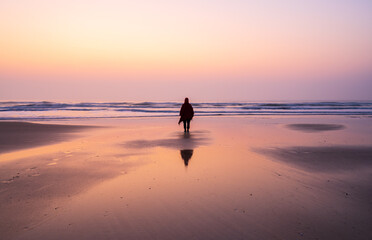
186	100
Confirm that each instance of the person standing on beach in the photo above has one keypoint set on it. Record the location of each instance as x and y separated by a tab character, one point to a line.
186	113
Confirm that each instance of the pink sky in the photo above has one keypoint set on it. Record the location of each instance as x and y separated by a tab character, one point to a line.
165	50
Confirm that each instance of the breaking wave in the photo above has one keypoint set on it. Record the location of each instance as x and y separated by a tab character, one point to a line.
44	110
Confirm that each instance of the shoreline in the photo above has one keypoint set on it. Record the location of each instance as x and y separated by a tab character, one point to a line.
351	115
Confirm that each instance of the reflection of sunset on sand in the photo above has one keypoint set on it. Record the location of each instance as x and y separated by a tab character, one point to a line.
91	93
246	178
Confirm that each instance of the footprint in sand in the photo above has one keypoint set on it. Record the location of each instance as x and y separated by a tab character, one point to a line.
52	163
10	180
7	181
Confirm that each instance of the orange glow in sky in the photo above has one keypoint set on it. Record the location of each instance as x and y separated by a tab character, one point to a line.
124	43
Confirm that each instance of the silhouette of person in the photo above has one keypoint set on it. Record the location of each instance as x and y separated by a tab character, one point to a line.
186	155
186	113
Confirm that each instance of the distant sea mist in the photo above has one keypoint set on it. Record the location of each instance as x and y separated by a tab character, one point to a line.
29	110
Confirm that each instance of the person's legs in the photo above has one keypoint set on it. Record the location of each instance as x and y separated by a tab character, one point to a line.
184	125
188	124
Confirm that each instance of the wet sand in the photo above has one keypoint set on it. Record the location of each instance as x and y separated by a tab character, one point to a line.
229	178
19	135
311	127
324	159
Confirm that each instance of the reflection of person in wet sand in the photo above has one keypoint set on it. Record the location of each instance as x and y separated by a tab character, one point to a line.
186	113
186	155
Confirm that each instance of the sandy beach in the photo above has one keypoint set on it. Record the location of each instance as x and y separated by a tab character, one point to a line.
18	135
96	99
252	177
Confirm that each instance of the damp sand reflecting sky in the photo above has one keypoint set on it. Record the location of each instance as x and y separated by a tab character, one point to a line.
130	181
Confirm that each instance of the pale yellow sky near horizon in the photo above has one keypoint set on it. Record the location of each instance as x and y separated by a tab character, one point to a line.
213	45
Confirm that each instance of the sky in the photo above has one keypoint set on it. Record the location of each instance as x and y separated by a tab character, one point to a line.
207	50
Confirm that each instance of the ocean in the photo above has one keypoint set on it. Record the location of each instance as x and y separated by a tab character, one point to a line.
45	110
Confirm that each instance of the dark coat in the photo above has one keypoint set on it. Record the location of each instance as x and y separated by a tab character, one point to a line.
186	112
